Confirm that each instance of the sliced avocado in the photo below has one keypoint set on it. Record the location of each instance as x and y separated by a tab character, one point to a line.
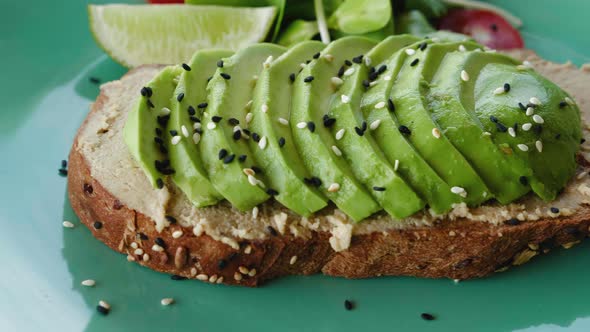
282	166
553	136
314	142
185	115
366	159
376	106
226	155
144	131
408	96
500	170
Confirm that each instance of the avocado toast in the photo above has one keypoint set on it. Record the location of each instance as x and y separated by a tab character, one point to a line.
224	244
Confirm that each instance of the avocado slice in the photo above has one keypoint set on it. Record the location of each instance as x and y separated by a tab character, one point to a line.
280	161
144	131
400	152
500	170
554	134
419	127
311	100
366	159
226	155
185	115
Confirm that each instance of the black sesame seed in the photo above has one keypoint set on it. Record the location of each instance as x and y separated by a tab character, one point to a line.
246	131
313	181
506	87
256	169
146	91
292	77
364	126
271	192
149	103
203	105
557	136
522	107
373	76
173	132
538	129
229	159
531	105
366	84
427	316
242	158
191	110
221	264
64	163
359	131
209	78
216	118
404	130
180	96
168	171
98	225
281	142
102	310
371	70
348	305
308	79
186	67
379	188
307	62
329	122
422	46
158	131
225	76
144	237
222	154
523	180
512	222
237	135
163	149
271	230
177	277
160	183
381	69
562	104
494	27
414	62
347	62
256	137
390	105
341	71
358	59
158	140
171	219
582	141
88	188
195	119
62	172
493	119
233	121
159	241
554	210
317	55
94	80
220	63
311	126
501	127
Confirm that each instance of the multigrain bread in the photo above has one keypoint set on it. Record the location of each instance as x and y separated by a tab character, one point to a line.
161	230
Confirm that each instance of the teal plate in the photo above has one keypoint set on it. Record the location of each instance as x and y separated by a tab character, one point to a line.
47	58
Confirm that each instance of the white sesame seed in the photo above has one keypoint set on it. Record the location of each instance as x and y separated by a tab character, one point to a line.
499	91
328	57
211	125
380	105
530	111
219	280
511	132
539	146
459	191
527	126
396	165
462	48
255	212
262	143
248	250
175	140
284	121
336	150
349	71
134	245
130	258
340	134
372	84
436	132
88	283
264	108
538	119
521	67
487	133
243	270
267	62
249	117
523	147
581	175
535	101
367	61
138	251
237	128
527	64
197	125
464	76
237	276
196	138
193	271
293	260
249	104
184	131
302	125
334	187
104	304
202	277
167	301
67	224
157	248
387	78
177	234
165	111
345	99
410	51
253	181
213	278
146	257
252	273
569	101
248	171
375	124
336	81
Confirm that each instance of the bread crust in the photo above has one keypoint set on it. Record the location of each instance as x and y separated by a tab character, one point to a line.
459	249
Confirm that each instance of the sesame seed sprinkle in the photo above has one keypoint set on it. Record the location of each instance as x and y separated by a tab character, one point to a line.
252	180
184	131
157	248
499	91
336	150
380	105
336	81
293	260
464	76
511	132
459	191
264	108
175	140
396	165
177	234
196	138
535	101
345	99
67	224
375	124
436	132
186	67
134	245
262	143
301	125
146	257
410	51
414	62
569	101
255	212
166	301
462	48
340	134
349	71
283	121
104	304
523	147
268	61
308	79
334	187
248	171
538	119
225	76
387	78
377	188
530	111
539	146
367	61
202	277
329	57
211	125
506	87
165	111
249	116
88	283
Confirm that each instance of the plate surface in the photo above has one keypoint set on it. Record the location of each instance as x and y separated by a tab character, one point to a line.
47	58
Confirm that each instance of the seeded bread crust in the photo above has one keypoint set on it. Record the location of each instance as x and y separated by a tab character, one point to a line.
459	249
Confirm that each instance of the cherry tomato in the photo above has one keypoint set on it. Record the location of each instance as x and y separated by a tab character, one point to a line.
486	27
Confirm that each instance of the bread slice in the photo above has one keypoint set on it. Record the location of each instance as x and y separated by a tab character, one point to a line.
219	244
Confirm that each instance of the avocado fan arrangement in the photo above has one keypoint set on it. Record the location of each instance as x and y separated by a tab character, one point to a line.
402	125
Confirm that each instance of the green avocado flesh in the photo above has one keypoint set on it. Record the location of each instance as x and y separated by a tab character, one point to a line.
404	125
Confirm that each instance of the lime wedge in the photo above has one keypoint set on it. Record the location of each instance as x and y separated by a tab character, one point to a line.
134	35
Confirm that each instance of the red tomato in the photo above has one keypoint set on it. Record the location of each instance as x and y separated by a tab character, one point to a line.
487	27
165	1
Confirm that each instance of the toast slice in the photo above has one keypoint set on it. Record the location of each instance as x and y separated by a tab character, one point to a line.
161	230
